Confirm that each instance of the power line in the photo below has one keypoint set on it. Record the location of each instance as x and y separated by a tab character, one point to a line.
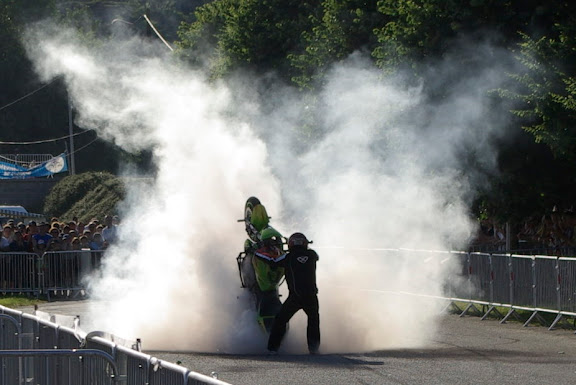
44	141
84	146
26	96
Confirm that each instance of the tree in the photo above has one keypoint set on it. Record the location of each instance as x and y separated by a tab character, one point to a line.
546	89
249	34
420	30
338	29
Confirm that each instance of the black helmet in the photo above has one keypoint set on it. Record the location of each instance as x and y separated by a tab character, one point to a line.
297	240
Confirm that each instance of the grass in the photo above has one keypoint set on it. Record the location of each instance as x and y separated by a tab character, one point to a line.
18	300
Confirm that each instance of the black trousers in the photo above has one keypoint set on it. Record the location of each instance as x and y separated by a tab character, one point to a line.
294	303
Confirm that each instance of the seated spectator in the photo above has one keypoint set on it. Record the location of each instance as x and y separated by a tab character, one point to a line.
18	244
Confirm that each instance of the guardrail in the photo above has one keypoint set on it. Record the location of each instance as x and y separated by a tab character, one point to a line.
488	282
33	350
537	284
54	273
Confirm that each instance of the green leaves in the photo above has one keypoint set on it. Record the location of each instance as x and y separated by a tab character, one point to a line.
245	34
546	91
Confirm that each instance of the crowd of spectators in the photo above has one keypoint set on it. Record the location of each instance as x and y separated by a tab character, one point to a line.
551	231
58	235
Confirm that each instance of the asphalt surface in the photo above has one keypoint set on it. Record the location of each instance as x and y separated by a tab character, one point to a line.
464	351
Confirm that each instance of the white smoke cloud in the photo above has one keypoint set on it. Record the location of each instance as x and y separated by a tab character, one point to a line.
382	172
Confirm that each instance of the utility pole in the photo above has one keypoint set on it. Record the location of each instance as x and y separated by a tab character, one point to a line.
71	133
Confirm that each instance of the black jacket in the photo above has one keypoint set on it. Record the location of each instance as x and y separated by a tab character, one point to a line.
300	271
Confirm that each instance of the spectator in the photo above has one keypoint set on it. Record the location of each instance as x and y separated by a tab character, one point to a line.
55	232
31	229
75	245
41	240
88	234
7	236
110	230
80	228
18	244
66	242
84	242
54	245
97	242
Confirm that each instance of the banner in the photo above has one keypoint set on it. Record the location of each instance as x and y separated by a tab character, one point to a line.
48	168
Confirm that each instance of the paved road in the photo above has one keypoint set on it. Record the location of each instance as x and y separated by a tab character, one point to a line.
464	351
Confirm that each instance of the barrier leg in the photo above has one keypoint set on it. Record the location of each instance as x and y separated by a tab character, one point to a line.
451	304
537	316
510	313
556	320
470	306
490	310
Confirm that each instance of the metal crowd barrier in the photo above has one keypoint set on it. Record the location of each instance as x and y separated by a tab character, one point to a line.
33	350
52	274
18	273
537	284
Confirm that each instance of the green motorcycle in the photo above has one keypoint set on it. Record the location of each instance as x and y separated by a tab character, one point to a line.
258	264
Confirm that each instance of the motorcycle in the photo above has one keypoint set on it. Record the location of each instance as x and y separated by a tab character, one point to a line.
258	265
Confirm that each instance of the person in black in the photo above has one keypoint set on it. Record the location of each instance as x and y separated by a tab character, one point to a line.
300	272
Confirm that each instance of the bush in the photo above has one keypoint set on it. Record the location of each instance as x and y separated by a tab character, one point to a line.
88	195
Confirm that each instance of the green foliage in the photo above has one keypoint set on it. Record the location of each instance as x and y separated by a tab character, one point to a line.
419	30
87	195
546	89
251	34
340	28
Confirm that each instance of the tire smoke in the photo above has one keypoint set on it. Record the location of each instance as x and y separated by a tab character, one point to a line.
381	169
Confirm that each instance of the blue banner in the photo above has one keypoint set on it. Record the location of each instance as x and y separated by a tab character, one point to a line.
48	168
